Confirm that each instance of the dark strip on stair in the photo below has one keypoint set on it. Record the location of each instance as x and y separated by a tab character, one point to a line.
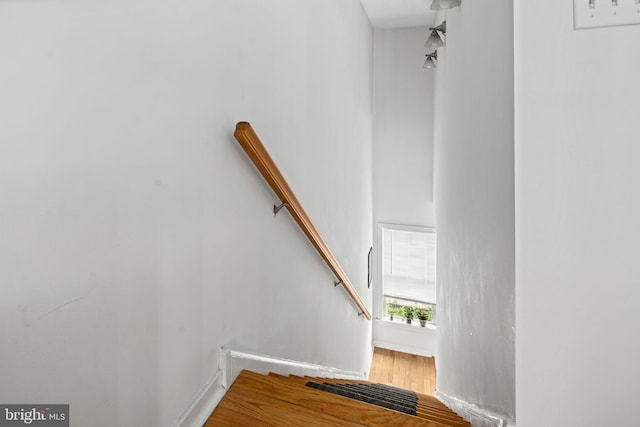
375	394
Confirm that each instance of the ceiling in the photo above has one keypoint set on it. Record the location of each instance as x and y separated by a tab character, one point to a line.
384	14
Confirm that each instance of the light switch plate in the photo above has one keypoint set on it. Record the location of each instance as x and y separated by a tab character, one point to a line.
605	13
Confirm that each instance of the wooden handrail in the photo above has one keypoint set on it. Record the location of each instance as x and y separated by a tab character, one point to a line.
252	145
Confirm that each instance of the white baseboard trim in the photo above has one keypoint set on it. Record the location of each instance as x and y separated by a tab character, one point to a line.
204	403
476	416
403	348
232	362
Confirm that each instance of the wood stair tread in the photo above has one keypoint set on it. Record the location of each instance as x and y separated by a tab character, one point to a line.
247	408
276	400
429	407
427	410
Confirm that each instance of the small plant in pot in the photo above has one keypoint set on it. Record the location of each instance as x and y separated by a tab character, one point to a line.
408	314
422	316
394	310
430	314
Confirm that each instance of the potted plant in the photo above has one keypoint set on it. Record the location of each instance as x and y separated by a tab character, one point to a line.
408	314
422	316
393	310
430	314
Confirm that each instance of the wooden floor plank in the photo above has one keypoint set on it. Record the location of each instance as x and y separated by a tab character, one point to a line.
411	372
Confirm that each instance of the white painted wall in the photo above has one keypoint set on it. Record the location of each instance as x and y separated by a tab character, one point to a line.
136	237
577	229
474	196
412	339
403	129
402	156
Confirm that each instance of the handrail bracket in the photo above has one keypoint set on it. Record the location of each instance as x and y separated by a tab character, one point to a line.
277	209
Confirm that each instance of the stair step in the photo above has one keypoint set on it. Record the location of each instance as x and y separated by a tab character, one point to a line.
436	410
306	379
431	401
276	400
245	408
391	398
429	407
370	395
340	407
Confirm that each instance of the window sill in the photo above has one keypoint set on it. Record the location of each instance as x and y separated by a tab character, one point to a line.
403	324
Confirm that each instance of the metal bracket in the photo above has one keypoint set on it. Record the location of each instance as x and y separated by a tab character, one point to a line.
276	209
339	282
361	313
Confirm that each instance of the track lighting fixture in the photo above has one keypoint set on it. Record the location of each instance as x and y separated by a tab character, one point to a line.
435	41
444	4
431	60
442	27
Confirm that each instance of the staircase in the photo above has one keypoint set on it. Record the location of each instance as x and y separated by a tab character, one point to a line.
274	400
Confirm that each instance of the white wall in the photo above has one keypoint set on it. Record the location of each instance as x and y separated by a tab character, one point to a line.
403	129
577	211
402	157
412	339
474	198
137	238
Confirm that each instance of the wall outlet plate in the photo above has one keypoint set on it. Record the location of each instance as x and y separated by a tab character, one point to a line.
605	13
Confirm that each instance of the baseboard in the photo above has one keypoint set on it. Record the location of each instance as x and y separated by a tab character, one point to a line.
405	338
232	362
204	403
476	416
402	348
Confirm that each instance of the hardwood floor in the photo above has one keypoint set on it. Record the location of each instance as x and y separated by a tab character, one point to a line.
408	371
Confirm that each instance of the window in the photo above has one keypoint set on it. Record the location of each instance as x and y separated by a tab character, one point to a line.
409	273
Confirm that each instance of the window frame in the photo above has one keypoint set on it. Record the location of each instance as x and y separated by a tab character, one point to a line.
379	298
